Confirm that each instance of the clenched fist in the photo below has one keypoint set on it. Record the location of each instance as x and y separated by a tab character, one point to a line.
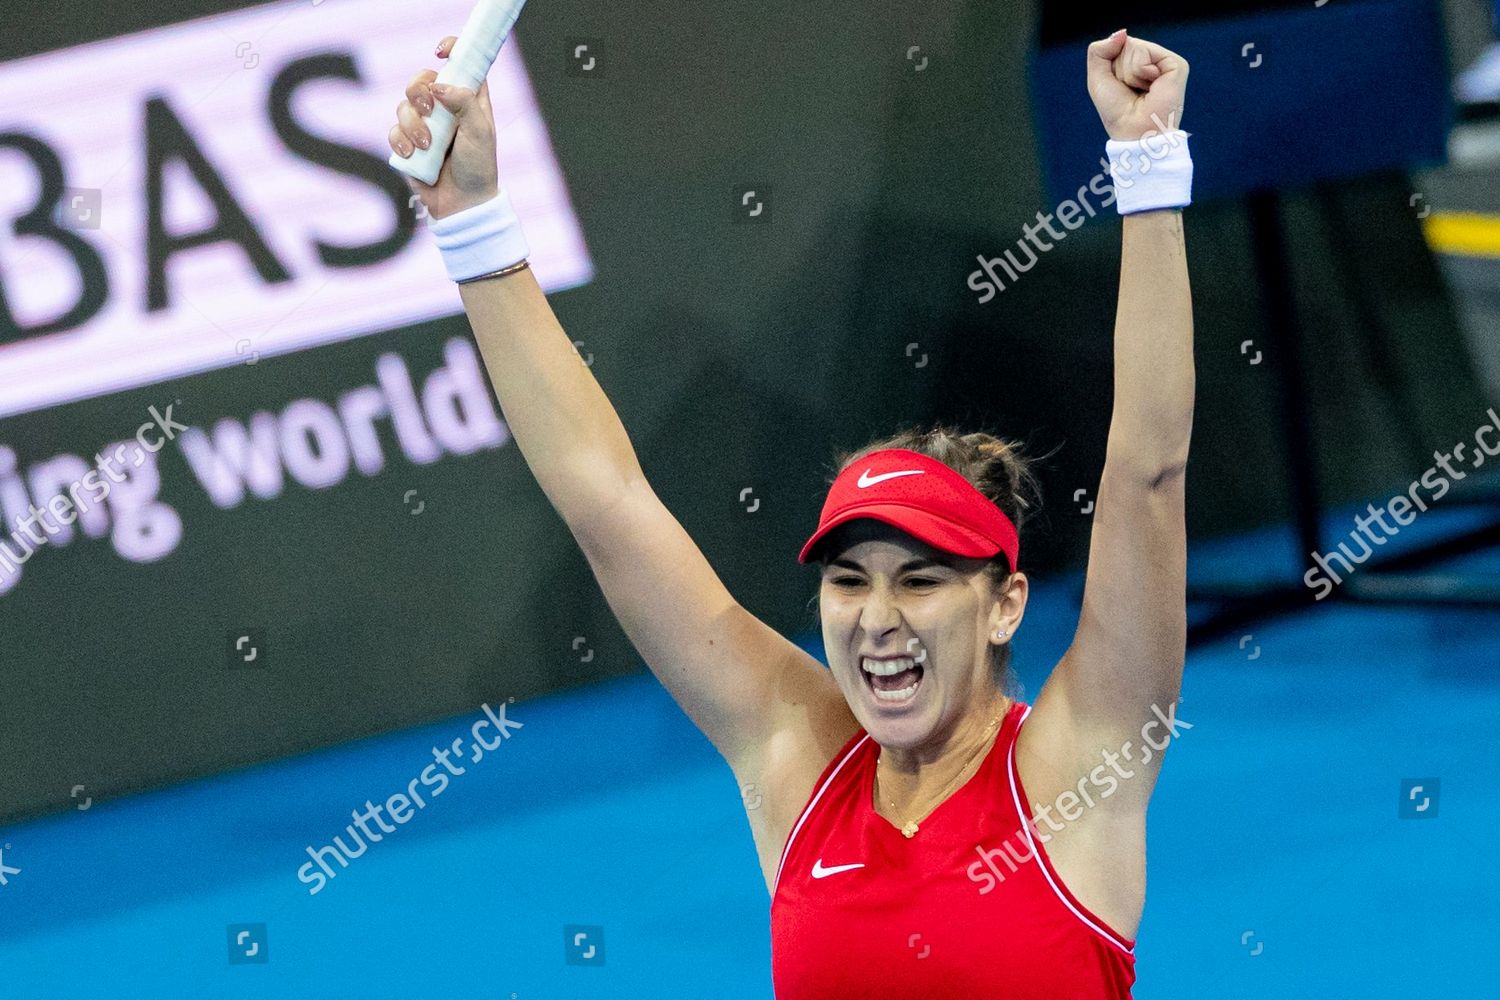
1137	86
469	176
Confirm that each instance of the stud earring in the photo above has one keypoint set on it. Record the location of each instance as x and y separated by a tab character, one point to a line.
1000	634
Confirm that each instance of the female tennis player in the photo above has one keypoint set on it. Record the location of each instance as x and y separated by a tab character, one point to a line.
922	831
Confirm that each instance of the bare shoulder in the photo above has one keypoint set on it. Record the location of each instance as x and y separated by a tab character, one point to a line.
811	722
1091	823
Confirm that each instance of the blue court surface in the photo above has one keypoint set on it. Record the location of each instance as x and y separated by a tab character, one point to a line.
1279	864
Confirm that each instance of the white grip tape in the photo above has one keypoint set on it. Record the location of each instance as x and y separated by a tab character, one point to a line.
481	239
1151	173
468	64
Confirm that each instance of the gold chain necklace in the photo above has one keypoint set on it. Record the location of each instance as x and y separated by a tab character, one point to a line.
909	828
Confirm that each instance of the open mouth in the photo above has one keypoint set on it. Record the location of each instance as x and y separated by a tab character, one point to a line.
893	680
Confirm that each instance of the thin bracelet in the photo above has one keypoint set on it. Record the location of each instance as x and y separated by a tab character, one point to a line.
498	274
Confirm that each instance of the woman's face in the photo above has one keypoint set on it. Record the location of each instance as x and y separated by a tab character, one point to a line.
928	617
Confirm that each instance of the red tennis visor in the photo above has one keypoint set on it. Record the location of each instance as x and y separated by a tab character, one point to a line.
924	498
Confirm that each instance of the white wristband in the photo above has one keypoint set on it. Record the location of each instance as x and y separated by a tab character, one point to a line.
1151	173
480	239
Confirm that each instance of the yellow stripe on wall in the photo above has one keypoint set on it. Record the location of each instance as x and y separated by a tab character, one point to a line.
1464	234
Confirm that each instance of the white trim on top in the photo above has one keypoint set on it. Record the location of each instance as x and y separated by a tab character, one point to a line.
807	811
1010	775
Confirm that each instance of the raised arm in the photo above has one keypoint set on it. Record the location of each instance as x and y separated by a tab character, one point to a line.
732	674
1126	659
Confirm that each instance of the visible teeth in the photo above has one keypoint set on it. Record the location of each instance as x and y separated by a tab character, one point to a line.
884	668
905	692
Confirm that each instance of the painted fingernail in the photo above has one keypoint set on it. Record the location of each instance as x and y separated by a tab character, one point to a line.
423	141
405	148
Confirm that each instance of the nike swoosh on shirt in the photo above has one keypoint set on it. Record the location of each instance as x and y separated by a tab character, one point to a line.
867	480
820	872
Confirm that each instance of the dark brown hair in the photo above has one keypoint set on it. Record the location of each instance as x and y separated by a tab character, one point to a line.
996	467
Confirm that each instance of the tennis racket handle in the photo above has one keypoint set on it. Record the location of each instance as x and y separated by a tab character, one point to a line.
426	164
469	62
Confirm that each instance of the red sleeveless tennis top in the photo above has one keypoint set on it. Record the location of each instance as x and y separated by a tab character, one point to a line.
969	907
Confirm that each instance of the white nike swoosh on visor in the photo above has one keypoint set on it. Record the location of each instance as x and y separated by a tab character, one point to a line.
866	479
820	872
